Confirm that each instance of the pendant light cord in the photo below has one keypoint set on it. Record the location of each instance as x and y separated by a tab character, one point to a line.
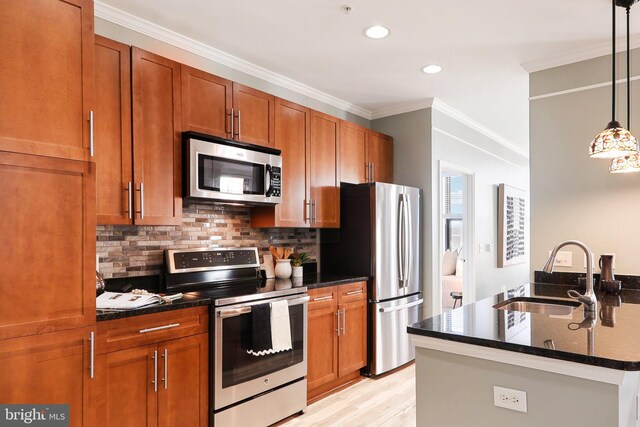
628	75
613	61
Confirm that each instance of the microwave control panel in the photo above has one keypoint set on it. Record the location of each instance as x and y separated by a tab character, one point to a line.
275	186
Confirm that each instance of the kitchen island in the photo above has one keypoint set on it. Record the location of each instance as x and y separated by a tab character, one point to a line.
574	371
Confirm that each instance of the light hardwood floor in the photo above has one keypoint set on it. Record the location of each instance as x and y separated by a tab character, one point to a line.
389	401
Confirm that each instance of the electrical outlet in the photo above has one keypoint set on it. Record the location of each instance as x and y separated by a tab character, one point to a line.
563	259
485	247
593	261
515	400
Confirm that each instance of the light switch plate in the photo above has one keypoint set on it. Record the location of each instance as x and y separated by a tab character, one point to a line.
563	259
593	259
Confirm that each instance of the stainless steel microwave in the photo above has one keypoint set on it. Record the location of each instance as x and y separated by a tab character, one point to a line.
220	170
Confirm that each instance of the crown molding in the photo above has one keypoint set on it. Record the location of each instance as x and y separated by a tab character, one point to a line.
595	51
402	108
132	22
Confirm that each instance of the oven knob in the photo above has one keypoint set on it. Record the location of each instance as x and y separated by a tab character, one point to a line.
266	380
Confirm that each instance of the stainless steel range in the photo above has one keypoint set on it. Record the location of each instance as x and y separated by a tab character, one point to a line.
247	388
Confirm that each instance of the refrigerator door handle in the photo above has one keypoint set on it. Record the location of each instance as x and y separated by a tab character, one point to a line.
401	307
407	240
400	241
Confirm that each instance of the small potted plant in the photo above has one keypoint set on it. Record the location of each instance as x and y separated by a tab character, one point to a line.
296	262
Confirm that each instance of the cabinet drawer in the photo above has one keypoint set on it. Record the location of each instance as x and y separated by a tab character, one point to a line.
323	298
352	292
134	331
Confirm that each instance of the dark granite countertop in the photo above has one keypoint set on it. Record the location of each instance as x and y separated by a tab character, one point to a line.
187	301
323	280
311	281
613	342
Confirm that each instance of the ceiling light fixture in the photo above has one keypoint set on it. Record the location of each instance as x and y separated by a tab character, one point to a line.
432	69
614	141
630	163
377	32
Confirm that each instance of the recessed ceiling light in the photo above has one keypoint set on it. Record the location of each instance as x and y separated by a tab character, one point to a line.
432	69
377	32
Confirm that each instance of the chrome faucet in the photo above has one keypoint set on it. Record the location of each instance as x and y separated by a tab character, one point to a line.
589	298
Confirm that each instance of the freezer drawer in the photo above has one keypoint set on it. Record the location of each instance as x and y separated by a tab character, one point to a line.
391	346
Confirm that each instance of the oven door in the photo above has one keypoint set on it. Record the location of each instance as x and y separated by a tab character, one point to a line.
239	375
234	174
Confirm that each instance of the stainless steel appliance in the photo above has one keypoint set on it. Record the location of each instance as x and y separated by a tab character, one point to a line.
379	237
230	171
245	389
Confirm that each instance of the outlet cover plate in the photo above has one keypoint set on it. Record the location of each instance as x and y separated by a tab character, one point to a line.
515	400
563	259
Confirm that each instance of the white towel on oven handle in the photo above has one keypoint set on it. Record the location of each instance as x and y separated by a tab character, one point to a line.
280	327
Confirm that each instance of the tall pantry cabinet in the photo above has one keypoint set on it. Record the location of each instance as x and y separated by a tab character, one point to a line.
47	203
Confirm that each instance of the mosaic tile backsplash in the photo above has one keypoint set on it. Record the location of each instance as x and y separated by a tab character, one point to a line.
130	250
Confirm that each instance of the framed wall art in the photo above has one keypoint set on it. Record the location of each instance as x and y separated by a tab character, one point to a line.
512	216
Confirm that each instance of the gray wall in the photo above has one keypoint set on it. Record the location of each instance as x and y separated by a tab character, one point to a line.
573	196
412	166
421	140
455	390
491	164
124	35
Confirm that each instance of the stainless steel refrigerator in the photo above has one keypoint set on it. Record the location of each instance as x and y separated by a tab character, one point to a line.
379	237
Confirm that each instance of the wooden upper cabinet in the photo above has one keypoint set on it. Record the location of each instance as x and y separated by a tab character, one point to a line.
49	368
46	77
380	157
292	137
254	113
47	224
324	175
206	102
156	139
112	121
353	143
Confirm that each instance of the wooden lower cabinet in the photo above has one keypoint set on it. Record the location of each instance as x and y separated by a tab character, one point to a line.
51	368
337	340
161	384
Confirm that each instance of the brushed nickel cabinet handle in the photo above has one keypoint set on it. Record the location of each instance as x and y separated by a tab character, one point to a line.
91	135
155	371
314	218
239	125
325	298
373	172
366	171
232	134
338	314
130	199
92	354
344	321
359	291
159	328
141	190
307	211
166	368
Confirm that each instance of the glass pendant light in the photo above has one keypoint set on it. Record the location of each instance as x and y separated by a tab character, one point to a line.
614	141
631	162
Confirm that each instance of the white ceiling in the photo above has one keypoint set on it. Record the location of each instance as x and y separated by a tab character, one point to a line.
481	45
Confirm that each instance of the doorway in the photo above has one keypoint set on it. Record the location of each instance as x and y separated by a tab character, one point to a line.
455	219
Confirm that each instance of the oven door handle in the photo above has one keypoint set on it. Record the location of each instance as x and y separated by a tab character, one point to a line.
233	312
223	314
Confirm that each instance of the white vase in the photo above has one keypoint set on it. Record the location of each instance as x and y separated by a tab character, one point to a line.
283	268
297	271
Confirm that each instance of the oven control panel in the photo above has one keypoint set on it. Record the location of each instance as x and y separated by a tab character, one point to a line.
209	259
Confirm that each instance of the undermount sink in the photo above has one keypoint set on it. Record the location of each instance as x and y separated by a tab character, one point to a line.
553	307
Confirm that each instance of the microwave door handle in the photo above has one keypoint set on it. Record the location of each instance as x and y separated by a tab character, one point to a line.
268	178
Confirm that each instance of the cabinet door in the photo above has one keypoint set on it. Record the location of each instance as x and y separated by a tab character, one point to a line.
156	139
353	143
124	393
183	373
292	138
380	154
112	124
324	176
206	102
322	338
47	224
49	368
46	77
254	116
353	336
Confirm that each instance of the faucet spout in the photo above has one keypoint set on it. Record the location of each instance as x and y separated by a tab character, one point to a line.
589	298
